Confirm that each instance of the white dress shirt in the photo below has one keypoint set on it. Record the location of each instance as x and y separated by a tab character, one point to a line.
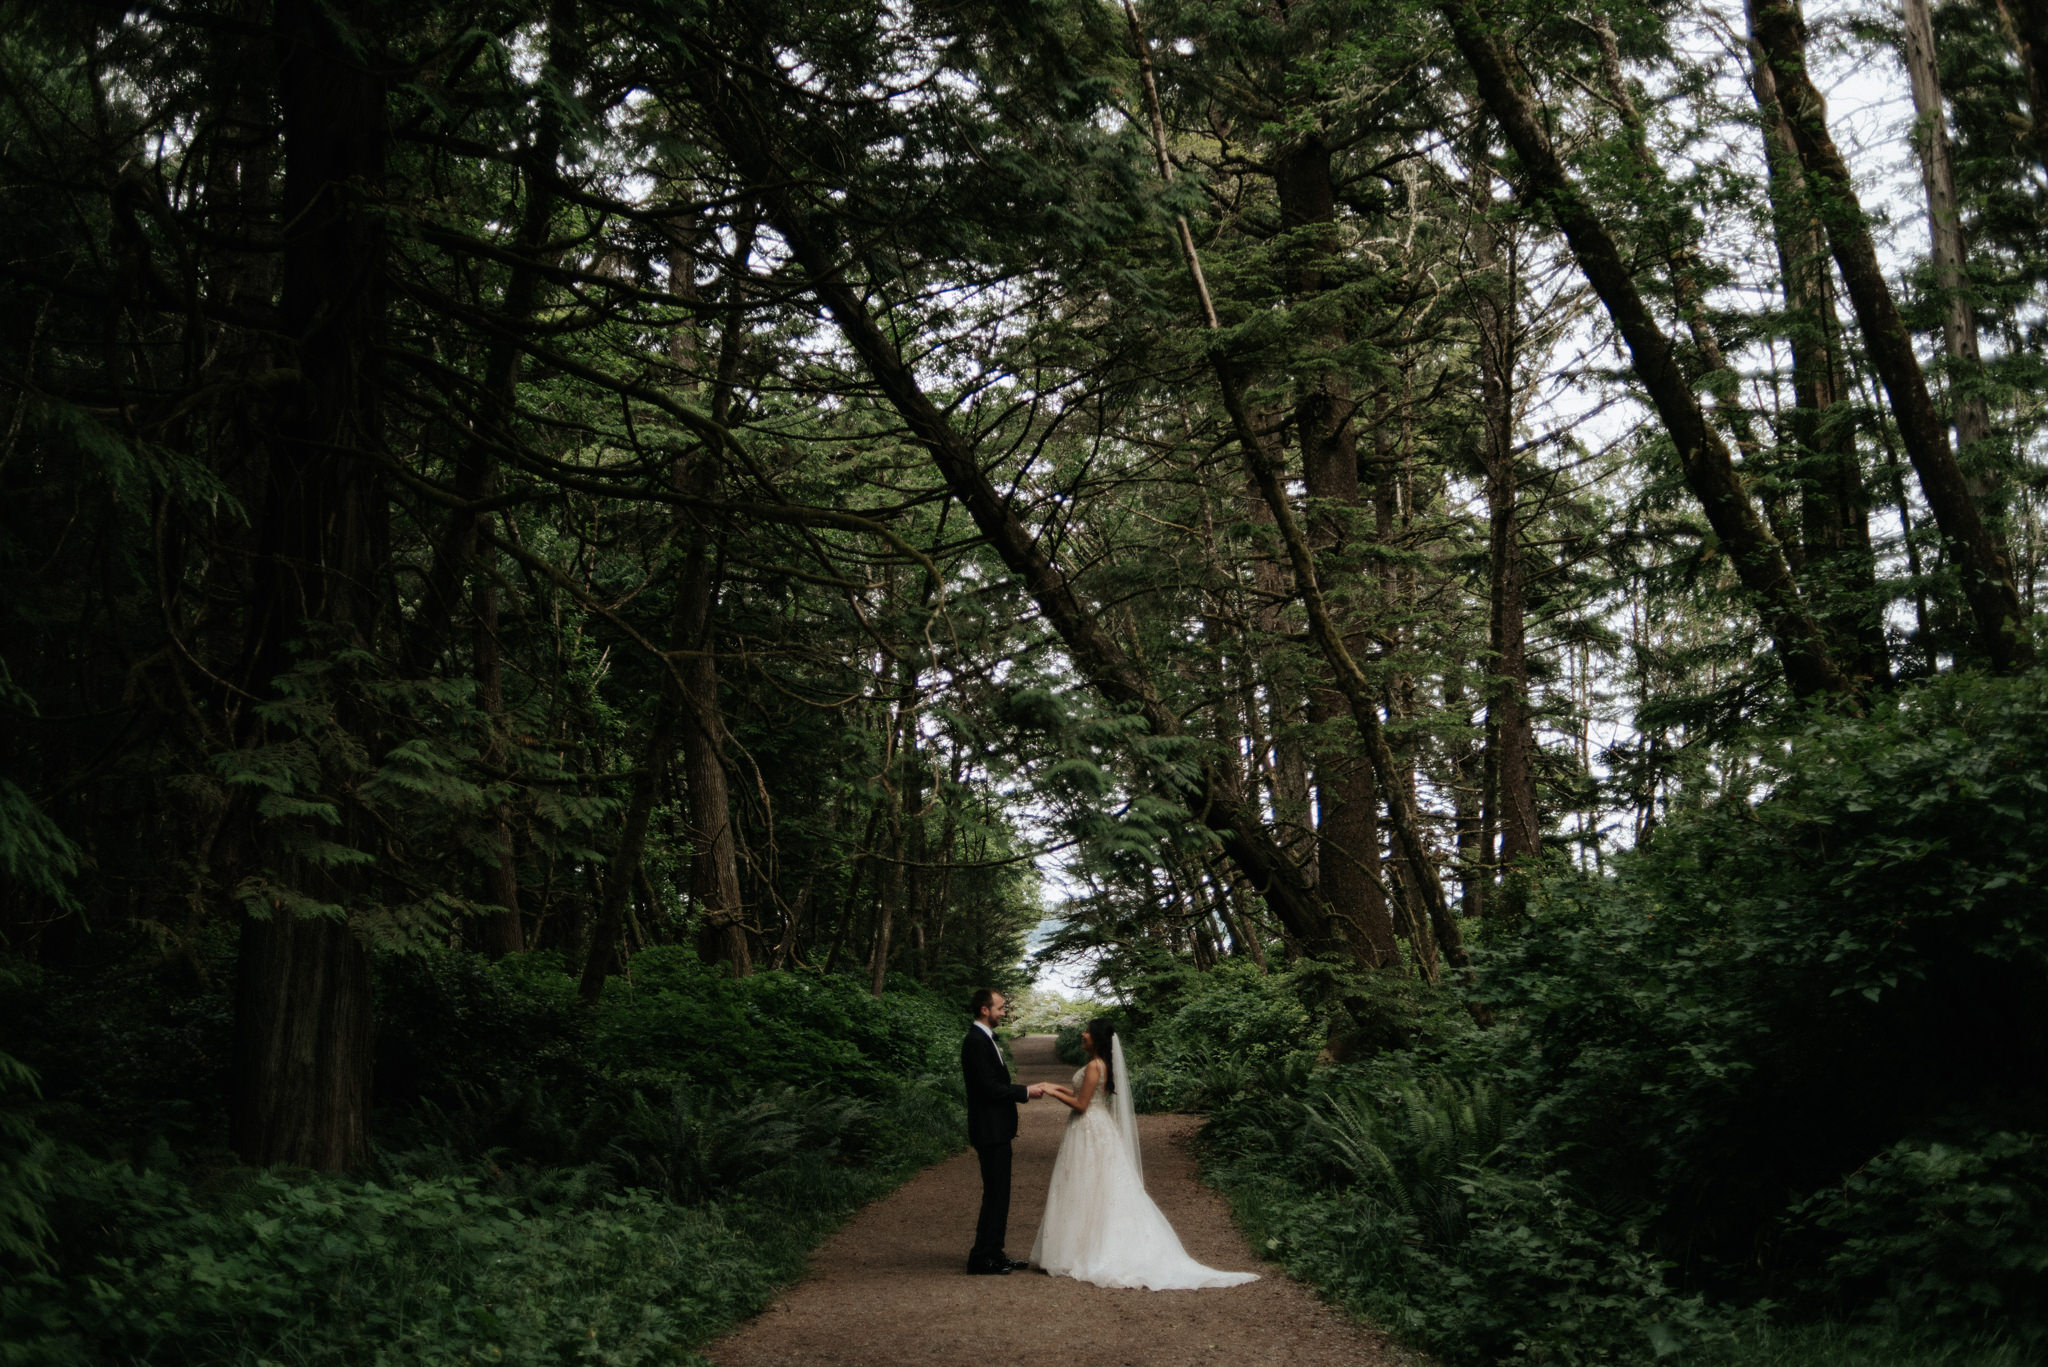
983	1027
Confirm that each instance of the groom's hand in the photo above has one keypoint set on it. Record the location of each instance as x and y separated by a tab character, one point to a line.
1034	1091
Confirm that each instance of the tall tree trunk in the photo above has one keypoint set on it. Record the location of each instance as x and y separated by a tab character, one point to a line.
1265	470
1703	457
476	473
891	900
2026	26
1267	661
714	858
503	932
1347	801
302	1044
302	1011
602	959
900	783
1508	727
1467	802
1971	418
1421	911
476	467
1780	31
1841	566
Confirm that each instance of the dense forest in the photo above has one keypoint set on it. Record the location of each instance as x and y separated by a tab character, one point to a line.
580	573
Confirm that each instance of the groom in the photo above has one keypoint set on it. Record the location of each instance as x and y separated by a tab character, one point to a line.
991	1124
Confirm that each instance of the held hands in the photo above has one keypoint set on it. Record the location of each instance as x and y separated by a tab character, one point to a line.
1034	1091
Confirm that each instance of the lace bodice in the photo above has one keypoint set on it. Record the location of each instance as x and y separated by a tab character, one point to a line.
1099	1109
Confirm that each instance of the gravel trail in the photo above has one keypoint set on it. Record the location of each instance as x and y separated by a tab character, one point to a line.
892	1286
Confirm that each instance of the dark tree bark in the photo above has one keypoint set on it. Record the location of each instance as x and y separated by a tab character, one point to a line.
1840	570
302	1044
1347	798
1468	804
714	852
503	931
1263	466
302	1019
2026	26
1704	458
623	871
1945	228
900	784
1421	913
1508	728
1780	32
1285	770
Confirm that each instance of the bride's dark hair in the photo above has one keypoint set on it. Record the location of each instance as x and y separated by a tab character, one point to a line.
1102	1032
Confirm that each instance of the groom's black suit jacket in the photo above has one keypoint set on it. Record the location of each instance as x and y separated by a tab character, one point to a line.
992	1099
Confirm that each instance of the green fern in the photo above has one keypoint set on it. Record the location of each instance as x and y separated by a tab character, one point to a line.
1409	1151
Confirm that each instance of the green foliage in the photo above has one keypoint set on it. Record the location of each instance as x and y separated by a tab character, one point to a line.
1411	1149
1760	1343
554	1181
24	1153
1787	1054
1038	1011
1942	1233
1393	1190
1771	995
671	1023
1212	1036
34	853
361	832
433	1270
32	850
24	1171
1067	1042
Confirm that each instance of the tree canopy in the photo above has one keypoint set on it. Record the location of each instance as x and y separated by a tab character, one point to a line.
778	482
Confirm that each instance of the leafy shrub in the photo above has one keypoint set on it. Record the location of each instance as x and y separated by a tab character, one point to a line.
338	1269
1037	1011
557	1182
1846	961
130	1054
1067	1043
1940	1232
24	1171
672	1022
1396	1193
1224	1027
1414	1150
1770	993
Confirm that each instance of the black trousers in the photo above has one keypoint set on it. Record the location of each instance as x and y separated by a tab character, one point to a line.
994	1223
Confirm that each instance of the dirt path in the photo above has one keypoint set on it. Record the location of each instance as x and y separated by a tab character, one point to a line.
892	1286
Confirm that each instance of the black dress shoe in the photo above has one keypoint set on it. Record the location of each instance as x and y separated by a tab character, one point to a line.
976	1267
1018	1264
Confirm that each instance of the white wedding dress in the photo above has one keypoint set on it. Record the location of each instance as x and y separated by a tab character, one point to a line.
1099	1225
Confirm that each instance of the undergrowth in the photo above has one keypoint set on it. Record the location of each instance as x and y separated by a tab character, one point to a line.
1771	1091
614	1186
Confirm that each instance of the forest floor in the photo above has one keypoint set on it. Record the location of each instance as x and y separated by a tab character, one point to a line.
892	1286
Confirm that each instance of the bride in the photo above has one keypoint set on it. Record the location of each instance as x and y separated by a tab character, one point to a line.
1099	1225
